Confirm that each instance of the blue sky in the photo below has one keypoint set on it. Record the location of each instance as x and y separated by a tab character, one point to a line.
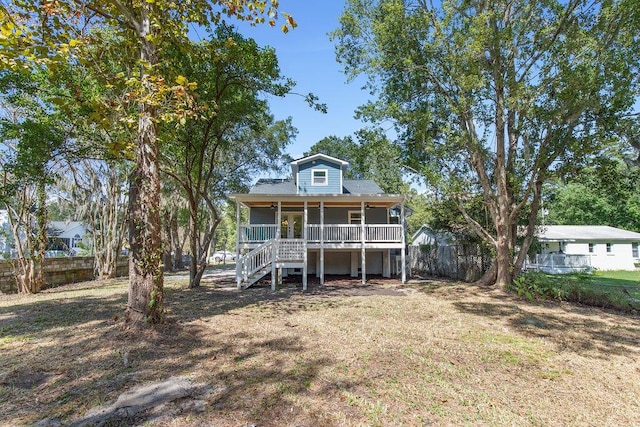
308	57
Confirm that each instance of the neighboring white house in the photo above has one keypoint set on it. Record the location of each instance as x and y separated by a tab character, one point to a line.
67	236
5	233
64	237
604	247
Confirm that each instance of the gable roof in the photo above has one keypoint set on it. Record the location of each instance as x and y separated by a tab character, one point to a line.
287	187
426	234
66	228
296	163
555	233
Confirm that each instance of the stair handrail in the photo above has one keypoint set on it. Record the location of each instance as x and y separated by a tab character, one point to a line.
263	254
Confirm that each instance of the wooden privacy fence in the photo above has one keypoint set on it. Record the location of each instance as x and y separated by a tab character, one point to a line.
460	262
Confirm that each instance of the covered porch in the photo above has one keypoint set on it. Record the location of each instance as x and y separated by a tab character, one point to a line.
321	227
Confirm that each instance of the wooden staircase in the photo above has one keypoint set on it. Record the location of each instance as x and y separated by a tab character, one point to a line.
269	257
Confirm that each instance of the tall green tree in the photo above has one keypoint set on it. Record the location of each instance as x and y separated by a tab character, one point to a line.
373	157
233	134
33	143
494	98
606	192
46	34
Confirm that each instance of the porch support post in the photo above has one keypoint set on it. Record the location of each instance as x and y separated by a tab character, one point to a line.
363	238
322	243
279	271
403	254
238	258
305	256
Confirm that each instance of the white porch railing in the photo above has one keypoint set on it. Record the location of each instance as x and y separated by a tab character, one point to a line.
251	266
561	263
335	233
353	233
254	261
254	233
383	233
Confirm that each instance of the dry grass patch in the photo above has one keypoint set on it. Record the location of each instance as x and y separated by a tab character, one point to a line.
344	354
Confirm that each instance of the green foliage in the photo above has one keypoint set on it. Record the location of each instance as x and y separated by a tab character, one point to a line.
494	98
605	192
536	286
590	289
372	157
613	298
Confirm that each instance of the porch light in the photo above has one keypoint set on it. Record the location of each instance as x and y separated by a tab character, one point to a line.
273	206
367	206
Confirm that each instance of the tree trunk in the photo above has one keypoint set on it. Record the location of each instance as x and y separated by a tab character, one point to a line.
178	263
40	244
194	282
489	276
146	293
167	261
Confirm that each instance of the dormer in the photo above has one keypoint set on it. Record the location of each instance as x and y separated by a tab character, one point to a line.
318	174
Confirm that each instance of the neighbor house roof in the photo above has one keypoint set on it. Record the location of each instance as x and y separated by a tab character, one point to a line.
567	233
66	228
287	186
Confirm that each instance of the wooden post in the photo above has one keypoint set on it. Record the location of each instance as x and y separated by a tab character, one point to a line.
363	238
305	256
402	254
322	243
277	245
273	264
238	257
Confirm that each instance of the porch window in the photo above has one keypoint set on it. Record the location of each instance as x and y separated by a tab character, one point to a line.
634	249
591	248
355	217
319	177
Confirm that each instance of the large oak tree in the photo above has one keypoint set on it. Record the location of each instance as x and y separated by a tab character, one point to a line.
43	35
496	97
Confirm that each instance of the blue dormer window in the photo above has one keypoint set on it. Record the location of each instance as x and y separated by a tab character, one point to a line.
319	177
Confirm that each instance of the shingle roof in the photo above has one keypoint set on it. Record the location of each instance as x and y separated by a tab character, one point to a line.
585	232
273	186
360	186
287	186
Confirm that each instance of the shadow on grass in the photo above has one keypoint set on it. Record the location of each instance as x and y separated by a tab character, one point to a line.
72	352
571	327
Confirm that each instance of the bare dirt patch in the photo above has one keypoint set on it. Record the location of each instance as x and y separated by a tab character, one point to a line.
382	353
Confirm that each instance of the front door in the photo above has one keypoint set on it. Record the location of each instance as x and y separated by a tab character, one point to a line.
291	225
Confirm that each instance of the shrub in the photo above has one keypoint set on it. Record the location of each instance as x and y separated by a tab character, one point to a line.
536	285
589	294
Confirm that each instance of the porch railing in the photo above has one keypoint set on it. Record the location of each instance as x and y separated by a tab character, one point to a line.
333	233
255	233
383	233
560	263
338	233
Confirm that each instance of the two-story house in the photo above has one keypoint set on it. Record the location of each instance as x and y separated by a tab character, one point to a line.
318	223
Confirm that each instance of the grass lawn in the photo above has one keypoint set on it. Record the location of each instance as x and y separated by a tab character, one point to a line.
619	288
344	354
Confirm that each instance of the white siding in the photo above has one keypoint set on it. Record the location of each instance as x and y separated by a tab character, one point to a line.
620	257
